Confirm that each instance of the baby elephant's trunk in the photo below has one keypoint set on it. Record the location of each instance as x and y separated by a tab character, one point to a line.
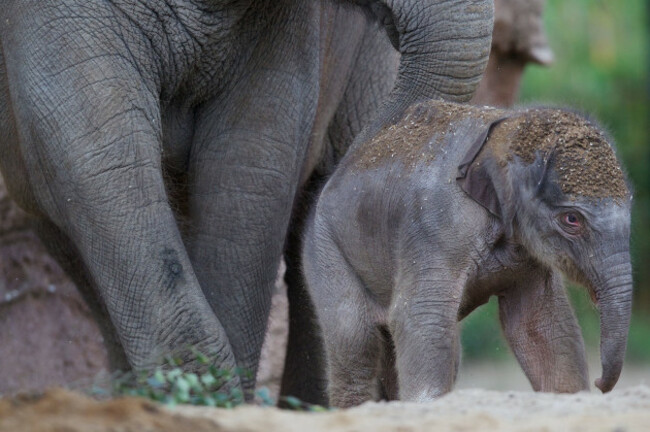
615	304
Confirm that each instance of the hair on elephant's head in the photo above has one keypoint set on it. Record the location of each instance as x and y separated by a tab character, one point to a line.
553	179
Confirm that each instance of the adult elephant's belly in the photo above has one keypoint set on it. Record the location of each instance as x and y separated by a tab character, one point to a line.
342	31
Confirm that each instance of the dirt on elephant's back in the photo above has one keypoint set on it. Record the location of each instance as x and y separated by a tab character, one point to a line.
461	410
416	137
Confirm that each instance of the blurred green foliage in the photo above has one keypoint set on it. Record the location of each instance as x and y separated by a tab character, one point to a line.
601	67
483	339
171	385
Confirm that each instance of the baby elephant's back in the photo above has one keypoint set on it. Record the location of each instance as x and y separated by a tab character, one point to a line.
431	134
398	181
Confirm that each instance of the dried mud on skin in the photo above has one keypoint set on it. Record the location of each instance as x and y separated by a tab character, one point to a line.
463	410
584	161
410	139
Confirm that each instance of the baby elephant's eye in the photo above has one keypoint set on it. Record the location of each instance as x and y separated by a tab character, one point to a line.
571	222
571	219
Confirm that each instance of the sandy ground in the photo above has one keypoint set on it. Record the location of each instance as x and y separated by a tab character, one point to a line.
462	410
506	403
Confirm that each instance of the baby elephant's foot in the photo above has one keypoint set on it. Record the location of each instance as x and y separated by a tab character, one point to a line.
427	395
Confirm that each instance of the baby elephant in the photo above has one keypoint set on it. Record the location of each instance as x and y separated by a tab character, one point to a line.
447	207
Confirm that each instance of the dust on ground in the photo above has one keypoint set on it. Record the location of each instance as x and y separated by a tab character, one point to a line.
462	410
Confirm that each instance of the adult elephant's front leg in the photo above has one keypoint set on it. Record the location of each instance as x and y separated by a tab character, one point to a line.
85	128
244	174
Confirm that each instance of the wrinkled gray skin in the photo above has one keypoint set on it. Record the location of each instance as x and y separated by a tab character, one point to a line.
397	254
160	145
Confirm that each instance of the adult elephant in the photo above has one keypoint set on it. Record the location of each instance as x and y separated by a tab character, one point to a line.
160	144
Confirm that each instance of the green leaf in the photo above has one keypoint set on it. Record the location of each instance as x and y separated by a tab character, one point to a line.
200	357
154	382
318	408
174	374
159	375
181	390
193	381
293	402
265	396
208	380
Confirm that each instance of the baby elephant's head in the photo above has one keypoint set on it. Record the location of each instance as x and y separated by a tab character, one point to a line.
554	181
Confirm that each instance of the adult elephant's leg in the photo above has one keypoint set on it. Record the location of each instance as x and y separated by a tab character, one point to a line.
304	374
118	217
368	81
88	134
111	203
242	189
57	244
248	152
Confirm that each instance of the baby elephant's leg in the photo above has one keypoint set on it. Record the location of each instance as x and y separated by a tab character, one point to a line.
542	331
352	340
424	324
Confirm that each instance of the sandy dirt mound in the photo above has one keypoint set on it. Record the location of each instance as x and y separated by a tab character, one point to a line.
62	411
463	410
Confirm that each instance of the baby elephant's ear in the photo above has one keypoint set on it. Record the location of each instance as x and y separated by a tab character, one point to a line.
474	178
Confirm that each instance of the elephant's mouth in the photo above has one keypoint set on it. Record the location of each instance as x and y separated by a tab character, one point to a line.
576	275
590	286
